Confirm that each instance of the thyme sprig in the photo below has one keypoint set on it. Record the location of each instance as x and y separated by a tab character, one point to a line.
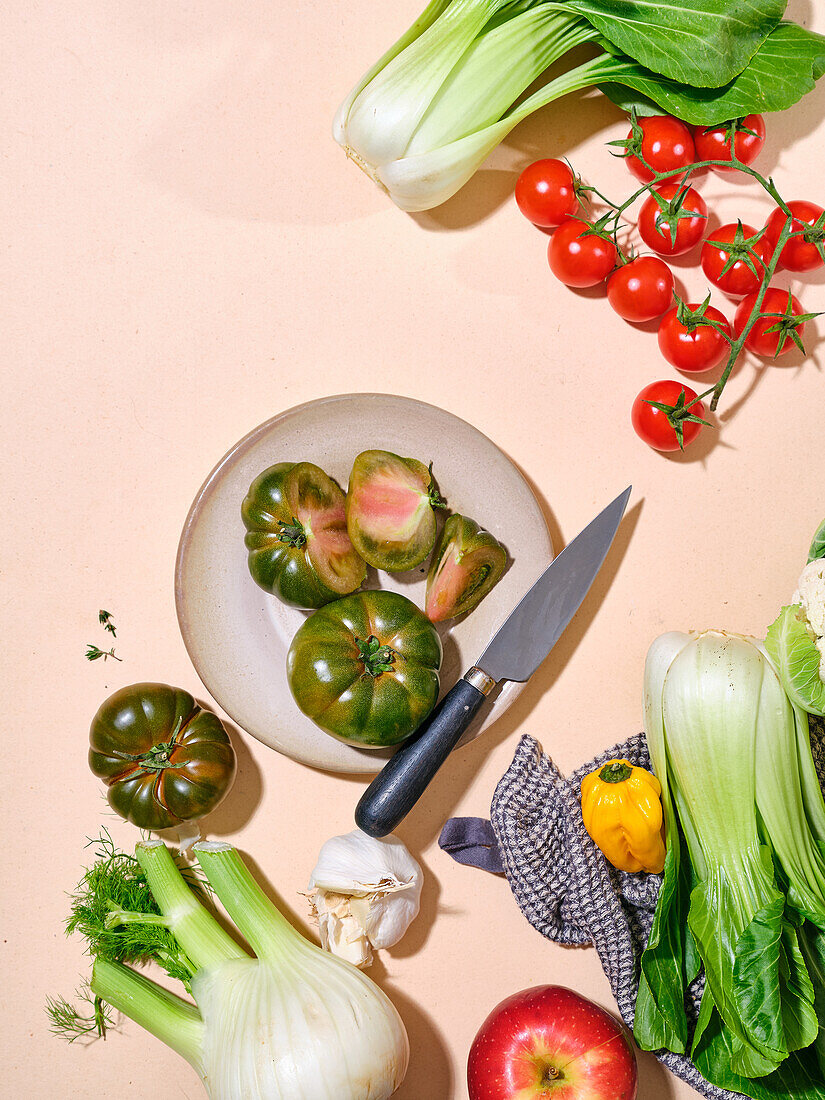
105	618
94	653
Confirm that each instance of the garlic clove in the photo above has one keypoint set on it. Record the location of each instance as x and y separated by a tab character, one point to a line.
341	932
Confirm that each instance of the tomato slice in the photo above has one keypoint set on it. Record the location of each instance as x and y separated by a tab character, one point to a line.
467	564
390	510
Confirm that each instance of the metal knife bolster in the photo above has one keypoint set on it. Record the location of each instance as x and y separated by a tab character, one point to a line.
480	680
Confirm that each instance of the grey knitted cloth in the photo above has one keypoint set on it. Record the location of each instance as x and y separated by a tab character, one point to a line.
564	885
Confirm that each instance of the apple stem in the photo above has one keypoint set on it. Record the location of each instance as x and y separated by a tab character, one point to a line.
549	1075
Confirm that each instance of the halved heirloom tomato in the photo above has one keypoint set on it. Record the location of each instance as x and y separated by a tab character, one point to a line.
365	668
296	535
164	759
390	517
466	565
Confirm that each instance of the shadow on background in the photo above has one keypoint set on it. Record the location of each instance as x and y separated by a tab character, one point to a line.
246	793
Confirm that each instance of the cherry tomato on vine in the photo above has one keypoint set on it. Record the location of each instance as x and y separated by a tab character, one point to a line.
641	289
666	143
798	254
579	258
744	136
673	219
693	349
653	426
745	275
546	192
759	340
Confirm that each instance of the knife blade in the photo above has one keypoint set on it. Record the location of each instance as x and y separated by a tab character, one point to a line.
515	651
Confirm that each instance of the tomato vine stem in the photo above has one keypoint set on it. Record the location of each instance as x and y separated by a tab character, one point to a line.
736	344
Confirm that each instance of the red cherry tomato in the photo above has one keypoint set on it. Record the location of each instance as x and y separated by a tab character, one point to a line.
655	229
666	143
577	258
747	135
693	349
652	425
740	279
759	340
546	192
642	289
798	254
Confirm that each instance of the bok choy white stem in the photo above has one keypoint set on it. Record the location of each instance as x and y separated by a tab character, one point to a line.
422	120
293	1023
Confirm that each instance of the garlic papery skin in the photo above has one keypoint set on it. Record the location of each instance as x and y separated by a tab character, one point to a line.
365	893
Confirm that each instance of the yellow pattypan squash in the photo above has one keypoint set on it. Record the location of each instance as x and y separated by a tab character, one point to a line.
622	812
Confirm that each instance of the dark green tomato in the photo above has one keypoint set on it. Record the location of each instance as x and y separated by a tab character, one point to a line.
165	759
296	535
466	565
365	668
390	517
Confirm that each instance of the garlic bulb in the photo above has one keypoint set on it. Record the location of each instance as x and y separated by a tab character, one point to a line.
365	893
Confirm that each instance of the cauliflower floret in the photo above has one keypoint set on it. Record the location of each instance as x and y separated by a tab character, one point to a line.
810	595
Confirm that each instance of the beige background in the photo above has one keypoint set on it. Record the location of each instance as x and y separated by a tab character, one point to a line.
186	253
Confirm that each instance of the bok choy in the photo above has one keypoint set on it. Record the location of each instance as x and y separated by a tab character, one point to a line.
744	884
293	1023
425	116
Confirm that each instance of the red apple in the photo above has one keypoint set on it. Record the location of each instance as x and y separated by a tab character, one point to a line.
549	1042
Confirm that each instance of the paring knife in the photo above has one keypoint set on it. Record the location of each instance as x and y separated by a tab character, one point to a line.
514	653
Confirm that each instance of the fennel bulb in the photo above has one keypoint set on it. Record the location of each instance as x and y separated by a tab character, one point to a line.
744	886
293	1023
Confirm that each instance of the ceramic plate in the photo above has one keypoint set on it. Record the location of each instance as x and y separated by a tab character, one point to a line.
238	635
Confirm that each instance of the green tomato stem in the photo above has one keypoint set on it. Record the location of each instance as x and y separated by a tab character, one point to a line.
163	1014
293	534
377	658
206	944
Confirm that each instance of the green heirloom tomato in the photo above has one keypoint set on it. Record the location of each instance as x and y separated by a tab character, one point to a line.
296	535
164	758
466	565
390	515
365	668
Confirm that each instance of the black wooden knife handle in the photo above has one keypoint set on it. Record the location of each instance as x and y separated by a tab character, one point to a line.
403	779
